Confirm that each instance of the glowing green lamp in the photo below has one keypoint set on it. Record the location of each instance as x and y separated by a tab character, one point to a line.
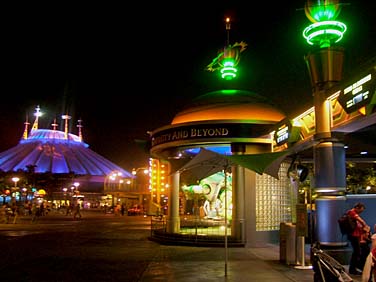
324	30
228	58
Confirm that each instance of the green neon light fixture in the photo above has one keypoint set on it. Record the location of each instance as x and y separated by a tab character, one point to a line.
324	30
228	58
228	70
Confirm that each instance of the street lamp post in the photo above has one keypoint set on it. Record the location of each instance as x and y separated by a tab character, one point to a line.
145	172
77	192
76	184
24	193
15	180
113	182
72	194
65	189
135	172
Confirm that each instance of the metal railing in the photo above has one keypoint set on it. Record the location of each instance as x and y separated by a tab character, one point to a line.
193	230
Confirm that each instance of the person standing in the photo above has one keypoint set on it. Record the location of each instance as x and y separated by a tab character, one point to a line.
35	212
122	209
41	209
15	213
4	214
69	209
355	238
77	211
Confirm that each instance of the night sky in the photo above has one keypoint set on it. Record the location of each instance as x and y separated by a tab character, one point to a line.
131	69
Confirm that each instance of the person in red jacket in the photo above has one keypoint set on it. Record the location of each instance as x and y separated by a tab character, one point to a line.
355	266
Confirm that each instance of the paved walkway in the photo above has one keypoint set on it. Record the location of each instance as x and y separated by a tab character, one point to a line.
209	265
163	262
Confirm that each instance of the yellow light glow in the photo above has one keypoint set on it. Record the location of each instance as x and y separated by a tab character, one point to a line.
362	111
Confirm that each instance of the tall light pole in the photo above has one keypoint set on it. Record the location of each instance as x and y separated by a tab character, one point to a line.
15	180
76	191
145	171
325	68
24	193
65	189
135	172
76	184
113	182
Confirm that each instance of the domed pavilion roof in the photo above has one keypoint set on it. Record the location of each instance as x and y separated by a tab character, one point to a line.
230	106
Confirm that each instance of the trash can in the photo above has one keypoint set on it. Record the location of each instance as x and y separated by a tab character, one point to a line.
287	243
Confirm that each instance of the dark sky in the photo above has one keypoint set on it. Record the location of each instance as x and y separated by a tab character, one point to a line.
131	68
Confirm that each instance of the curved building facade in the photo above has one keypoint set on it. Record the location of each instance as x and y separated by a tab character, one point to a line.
239	124
226	122
219	118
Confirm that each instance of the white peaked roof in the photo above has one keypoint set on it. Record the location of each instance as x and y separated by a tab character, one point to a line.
50	151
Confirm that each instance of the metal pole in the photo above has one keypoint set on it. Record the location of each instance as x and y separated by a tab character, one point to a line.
302	238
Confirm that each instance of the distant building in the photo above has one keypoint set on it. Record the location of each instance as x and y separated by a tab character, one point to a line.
59	153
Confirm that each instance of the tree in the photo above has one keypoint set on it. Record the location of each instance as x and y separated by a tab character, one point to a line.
359	178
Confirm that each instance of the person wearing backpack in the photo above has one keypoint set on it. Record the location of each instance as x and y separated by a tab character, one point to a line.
355	237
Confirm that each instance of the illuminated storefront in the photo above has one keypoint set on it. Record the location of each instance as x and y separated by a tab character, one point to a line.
238	124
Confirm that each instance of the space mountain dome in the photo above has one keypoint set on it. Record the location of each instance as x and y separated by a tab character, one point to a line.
56	152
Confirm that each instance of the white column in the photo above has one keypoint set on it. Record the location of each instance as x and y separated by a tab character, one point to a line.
173	218
238	197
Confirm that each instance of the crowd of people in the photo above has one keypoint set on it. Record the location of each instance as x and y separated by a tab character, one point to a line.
9	213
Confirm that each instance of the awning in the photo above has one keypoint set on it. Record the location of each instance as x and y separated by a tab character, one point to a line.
204	164
268	163
207	162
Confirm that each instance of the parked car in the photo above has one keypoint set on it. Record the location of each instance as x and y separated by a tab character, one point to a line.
135	210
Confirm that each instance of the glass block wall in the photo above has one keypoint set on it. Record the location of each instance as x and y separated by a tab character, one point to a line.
274	200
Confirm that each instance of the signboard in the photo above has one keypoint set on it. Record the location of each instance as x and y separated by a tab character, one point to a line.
210	132
286	133
282	135
358	94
